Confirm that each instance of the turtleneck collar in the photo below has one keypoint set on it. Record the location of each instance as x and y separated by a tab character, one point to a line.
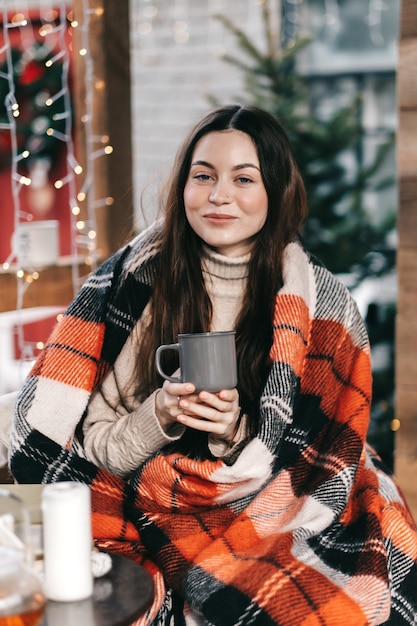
221	266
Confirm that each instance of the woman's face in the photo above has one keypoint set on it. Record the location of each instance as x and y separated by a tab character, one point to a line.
225	199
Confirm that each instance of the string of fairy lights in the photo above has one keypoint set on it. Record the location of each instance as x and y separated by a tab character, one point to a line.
56	22
96	145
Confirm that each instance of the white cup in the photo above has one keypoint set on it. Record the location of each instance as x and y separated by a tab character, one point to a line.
36	244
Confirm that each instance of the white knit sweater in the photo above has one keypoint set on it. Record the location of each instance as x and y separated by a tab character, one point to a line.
119	432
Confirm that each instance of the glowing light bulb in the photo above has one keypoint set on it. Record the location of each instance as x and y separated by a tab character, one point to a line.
18	18
45	30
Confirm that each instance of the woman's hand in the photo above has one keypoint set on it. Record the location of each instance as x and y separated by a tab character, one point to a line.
214	413
167	399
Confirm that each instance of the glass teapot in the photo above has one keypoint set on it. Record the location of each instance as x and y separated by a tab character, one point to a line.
22	601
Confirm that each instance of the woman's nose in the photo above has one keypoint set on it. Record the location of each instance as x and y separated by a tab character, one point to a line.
220	194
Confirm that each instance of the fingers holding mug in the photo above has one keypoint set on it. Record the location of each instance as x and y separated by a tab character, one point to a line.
167	402
217	414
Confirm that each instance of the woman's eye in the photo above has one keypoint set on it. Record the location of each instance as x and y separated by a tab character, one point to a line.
244	180
202	176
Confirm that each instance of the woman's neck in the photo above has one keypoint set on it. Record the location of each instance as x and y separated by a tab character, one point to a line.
225	279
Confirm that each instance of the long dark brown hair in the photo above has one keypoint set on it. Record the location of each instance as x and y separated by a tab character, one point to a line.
180	302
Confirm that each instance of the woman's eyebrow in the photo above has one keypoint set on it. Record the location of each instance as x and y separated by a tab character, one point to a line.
241	166
203	163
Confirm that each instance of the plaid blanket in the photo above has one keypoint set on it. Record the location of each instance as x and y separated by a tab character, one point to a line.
305	527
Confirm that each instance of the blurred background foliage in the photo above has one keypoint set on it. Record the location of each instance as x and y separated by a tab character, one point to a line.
340	230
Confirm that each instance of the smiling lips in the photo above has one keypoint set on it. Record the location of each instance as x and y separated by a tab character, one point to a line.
219	218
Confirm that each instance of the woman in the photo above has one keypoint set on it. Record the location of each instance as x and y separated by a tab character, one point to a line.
257	505
220	238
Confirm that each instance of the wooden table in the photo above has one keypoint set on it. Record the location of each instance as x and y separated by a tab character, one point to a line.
119	598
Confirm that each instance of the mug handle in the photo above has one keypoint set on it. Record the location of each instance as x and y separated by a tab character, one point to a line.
173	346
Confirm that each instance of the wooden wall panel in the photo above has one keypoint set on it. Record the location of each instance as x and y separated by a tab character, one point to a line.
406	143
406	365
408	19
407	215
406	302
406	444
406	323
407	74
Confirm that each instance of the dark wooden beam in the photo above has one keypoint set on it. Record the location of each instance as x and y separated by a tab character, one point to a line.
109	48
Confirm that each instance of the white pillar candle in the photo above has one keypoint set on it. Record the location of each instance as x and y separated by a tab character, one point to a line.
67	541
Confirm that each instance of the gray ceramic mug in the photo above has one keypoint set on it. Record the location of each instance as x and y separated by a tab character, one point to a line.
208	360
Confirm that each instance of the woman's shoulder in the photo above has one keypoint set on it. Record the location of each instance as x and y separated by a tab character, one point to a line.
145	244
324	277
132	264
335	302
329	296
140	253
302	266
